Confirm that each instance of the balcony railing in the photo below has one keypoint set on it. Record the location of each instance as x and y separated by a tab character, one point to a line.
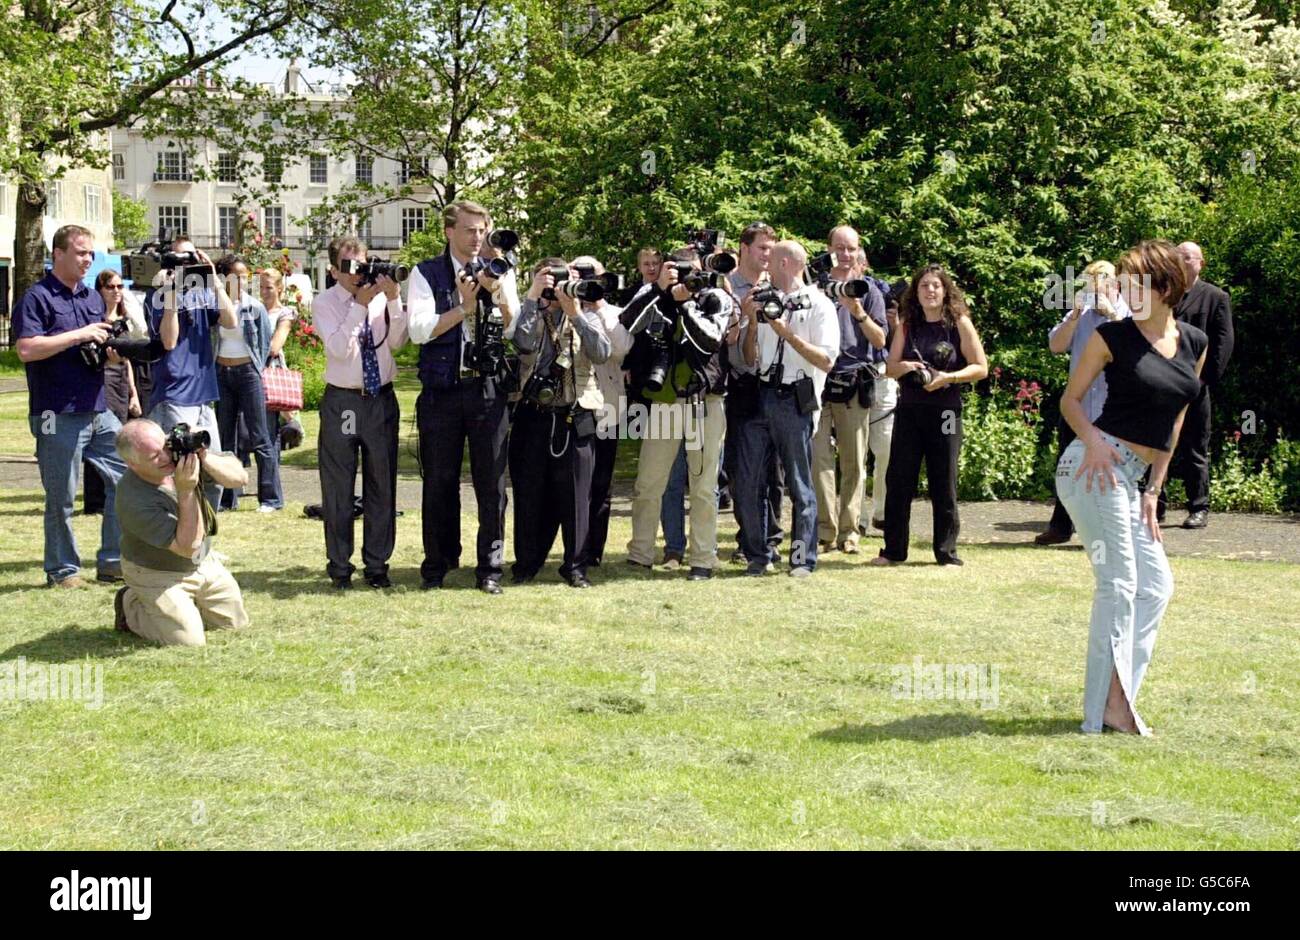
173	176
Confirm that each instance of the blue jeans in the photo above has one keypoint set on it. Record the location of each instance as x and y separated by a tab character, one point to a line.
672	507
777	428
61	443
242	392
1134	582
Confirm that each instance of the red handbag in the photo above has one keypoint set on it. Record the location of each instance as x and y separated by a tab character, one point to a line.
283	389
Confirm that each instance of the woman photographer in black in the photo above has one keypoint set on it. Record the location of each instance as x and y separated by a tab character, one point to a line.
934	349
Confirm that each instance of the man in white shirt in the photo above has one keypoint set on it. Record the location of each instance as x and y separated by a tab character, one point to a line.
793	341
464	395
361	324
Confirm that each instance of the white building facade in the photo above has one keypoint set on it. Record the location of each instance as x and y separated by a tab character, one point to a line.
159	172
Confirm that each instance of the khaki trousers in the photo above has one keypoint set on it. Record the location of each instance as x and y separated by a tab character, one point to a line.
837	517
174	608
707	426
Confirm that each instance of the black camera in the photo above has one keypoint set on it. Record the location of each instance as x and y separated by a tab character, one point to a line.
373	269
95	355
661	353
493	267
590	286
707	242
770	305
544	388
182	441
944	356
696	281
503	239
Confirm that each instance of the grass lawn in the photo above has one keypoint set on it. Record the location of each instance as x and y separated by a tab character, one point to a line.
660	714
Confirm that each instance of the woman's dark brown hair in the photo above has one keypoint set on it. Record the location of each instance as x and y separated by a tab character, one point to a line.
101	280
954	301
1156	262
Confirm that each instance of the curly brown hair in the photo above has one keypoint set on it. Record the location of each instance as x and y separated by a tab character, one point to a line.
954	301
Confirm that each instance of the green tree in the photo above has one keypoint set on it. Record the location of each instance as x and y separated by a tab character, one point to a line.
130	221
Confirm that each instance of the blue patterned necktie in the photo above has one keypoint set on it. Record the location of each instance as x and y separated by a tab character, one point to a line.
369	360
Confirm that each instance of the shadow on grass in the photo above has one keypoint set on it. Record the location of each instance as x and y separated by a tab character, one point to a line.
953	725
71	643
288	582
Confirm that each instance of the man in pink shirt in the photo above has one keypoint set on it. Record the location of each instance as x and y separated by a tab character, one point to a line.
361	324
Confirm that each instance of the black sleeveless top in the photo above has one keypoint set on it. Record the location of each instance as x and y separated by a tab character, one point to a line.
1144	390
920	345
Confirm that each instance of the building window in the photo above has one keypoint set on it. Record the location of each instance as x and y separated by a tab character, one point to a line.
227	225
227	167
119	167
94	196
4	197
319	170
173	221
272	169
173	166
365	226
412	222
274	221
365	169
54	200
414	171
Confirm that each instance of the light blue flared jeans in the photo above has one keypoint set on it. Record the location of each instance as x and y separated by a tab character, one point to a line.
1134	582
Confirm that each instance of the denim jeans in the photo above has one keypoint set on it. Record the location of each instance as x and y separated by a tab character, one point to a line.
672	508
242	392
1134	582
167	415
777	428
61	443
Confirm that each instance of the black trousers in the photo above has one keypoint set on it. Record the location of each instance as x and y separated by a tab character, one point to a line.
932	433
447	418
775	484
1191	461
1061	521
352	422
551	471
605	450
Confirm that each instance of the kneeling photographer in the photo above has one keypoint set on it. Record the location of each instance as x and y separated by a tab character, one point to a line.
552	443
676	363
793	337
176	589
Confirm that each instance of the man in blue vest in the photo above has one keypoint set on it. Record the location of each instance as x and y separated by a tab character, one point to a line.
463	396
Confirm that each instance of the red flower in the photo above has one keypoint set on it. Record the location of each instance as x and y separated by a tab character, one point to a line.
1236	435
997	372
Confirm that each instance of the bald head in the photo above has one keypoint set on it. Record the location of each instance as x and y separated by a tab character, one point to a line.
1189	253
788	262
589	260
143	446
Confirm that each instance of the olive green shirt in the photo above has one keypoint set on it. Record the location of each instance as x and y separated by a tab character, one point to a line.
148	516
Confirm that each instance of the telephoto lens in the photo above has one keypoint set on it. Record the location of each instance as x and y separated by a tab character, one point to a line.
857	288
769	303
503	239
590	291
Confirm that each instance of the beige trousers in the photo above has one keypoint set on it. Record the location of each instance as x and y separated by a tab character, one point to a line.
704	430
879	440
837	515
172	607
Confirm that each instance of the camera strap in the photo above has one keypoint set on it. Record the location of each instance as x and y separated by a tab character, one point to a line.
780	357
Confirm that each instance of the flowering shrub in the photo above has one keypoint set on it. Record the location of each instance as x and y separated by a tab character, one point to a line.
1235	486
999	453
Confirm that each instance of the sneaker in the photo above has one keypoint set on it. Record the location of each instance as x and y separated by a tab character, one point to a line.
849	546
699	574
71	583
1051	537
119	611
672	561
110	575
801	573
769	568
266	507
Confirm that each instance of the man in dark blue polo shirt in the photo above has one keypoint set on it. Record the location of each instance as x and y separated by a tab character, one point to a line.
67	411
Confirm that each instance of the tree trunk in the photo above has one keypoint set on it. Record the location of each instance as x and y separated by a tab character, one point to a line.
29	237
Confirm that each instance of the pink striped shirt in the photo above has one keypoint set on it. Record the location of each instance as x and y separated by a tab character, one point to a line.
338	318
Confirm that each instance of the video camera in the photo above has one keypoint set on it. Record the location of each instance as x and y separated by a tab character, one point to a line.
143	266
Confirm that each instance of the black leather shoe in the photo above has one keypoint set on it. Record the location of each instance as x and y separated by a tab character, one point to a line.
637	564
378	581
1197	520
430	584
109	575
342	584
699	574
578	581
522	578
1051	537
489	585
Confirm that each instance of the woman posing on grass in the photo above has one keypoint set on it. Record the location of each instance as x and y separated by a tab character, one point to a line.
935	348
1152	365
